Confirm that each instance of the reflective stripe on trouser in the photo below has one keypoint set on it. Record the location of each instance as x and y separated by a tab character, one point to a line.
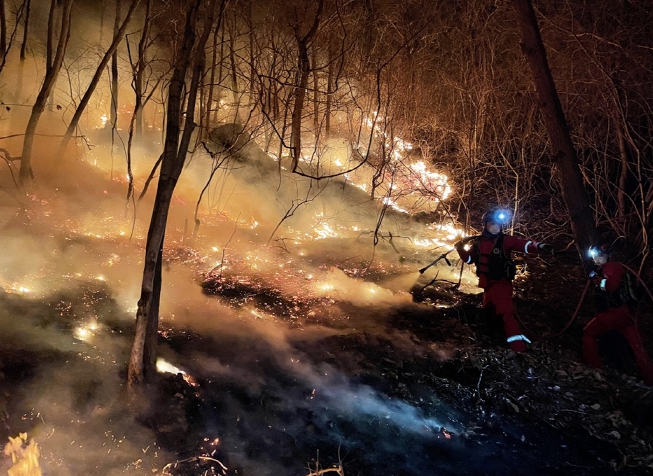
499	295
518	337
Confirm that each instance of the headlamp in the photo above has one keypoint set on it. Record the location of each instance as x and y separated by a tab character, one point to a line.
502	216
593	252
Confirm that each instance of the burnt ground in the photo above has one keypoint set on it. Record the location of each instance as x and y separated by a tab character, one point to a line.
428	389
541	412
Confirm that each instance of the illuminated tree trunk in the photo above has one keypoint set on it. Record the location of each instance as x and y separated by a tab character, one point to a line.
51	72
114	71
303	71
564	153
329	96
139	88
23	46
96	79
142	360
3	28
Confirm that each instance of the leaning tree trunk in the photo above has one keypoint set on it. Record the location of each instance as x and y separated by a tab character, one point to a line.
52	70
114	71
142	360
96	79
564	153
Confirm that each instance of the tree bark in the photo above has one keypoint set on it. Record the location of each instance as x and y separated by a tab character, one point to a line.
140	71
46	88
564	153
23	46
142	360
303	71
3	28
114	70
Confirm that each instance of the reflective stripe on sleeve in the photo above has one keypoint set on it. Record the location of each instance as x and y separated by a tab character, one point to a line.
526	247
469	260
602	285
518	337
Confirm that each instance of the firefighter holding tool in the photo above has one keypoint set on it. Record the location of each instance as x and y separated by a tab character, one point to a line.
615	303
491	253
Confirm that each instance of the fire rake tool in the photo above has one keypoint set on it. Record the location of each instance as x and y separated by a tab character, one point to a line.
446	260
444	255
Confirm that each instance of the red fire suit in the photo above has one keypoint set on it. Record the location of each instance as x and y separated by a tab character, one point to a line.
497	293
614	315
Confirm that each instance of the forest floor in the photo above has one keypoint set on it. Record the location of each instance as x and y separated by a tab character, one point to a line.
414	387
540	412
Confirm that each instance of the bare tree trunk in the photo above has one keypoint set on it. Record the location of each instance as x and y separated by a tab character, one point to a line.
220	67
329	98
110	53
303	71
234	71
114	70
41	100
316	108
623	173
564	153
142	360
140	71
209	99
3	28
23	46
49	47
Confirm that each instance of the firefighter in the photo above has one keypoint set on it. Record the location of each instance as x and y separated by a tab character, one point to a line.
491	253
614	302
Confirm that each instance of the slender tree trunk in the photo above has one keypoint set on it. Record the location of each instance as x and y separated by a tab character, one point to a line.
3	28
316	107
140	71
50	39
329	98
234	71
623	173
109	54
46	88
564	153
49	47
303	71
114	70
209	99
142	361
219	87
23	46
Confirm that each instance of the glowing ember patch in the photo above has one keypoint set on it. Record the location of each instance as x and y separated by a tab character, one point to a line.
425	243
21	289
82	333
164	367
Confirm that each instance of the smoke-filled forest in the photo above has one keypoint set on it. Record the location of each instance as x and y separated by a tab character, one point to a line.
229	233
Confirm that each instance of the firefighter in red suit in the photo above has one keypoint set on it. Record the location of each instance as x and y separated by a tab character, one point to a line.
614	312
491	253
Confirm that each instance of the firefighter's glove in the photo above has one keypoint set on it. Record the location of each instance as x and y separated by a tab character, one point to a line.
546	248
459	246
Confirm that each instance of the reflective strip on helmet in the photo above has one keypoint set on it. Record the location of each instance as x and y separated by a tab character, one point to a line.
518	337
469	259
526	247
602	285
